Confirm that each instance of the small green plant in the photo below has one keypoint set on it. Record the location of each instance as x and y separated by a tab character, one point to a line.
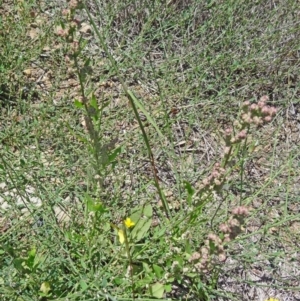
178	259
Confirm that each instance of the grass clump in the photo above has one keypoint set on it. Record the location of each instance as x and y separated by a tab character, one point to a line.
157	157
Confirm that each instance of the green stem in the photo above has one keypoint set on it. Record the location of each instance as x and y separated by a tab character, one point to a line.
132	99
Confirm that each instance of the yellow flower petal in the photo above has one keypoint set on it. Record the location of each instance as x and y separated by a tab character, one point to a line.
129	223
121	236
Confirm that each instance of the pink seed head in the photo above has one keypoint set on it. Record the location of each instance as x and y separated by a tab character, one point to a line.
227	150
273	111
253	107
222	257
240	210
242	134
224	228
234	223
257	120
228	131
265	110
246	105
267	118
264	98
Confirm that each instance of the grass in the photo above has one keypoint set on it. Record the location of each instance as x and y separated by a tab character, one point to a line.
124	116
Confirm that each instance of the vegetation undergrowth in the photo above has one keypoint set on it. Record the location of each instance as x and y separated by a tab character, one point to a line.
108	197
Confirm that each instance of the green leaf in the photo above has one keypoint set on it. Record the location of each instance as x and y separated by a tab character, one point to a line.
78	104
159	232
136	214
30	259
158	270
32	252
83	264
118	281
179	259
93	206
83	285
94	103
142	217
190	190
146	268
212	246
148	211
18	264
188	248
142	108
45	287
22	162
87	62
157	290
114	154
141	228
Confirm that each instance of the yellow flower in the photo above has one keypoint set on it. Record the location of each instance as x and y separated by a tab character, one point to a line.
121	236
120	232
129	223
271	299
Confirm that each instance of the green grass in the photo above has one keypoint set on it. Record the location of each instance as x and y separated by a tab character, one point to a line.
168	79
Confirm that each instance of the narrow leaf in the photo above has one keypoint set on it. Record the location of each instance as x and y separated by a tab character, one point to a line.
141	228
142	108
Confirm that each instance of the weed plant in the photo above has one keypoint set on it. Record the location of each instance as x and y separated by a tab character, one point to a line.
164	172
